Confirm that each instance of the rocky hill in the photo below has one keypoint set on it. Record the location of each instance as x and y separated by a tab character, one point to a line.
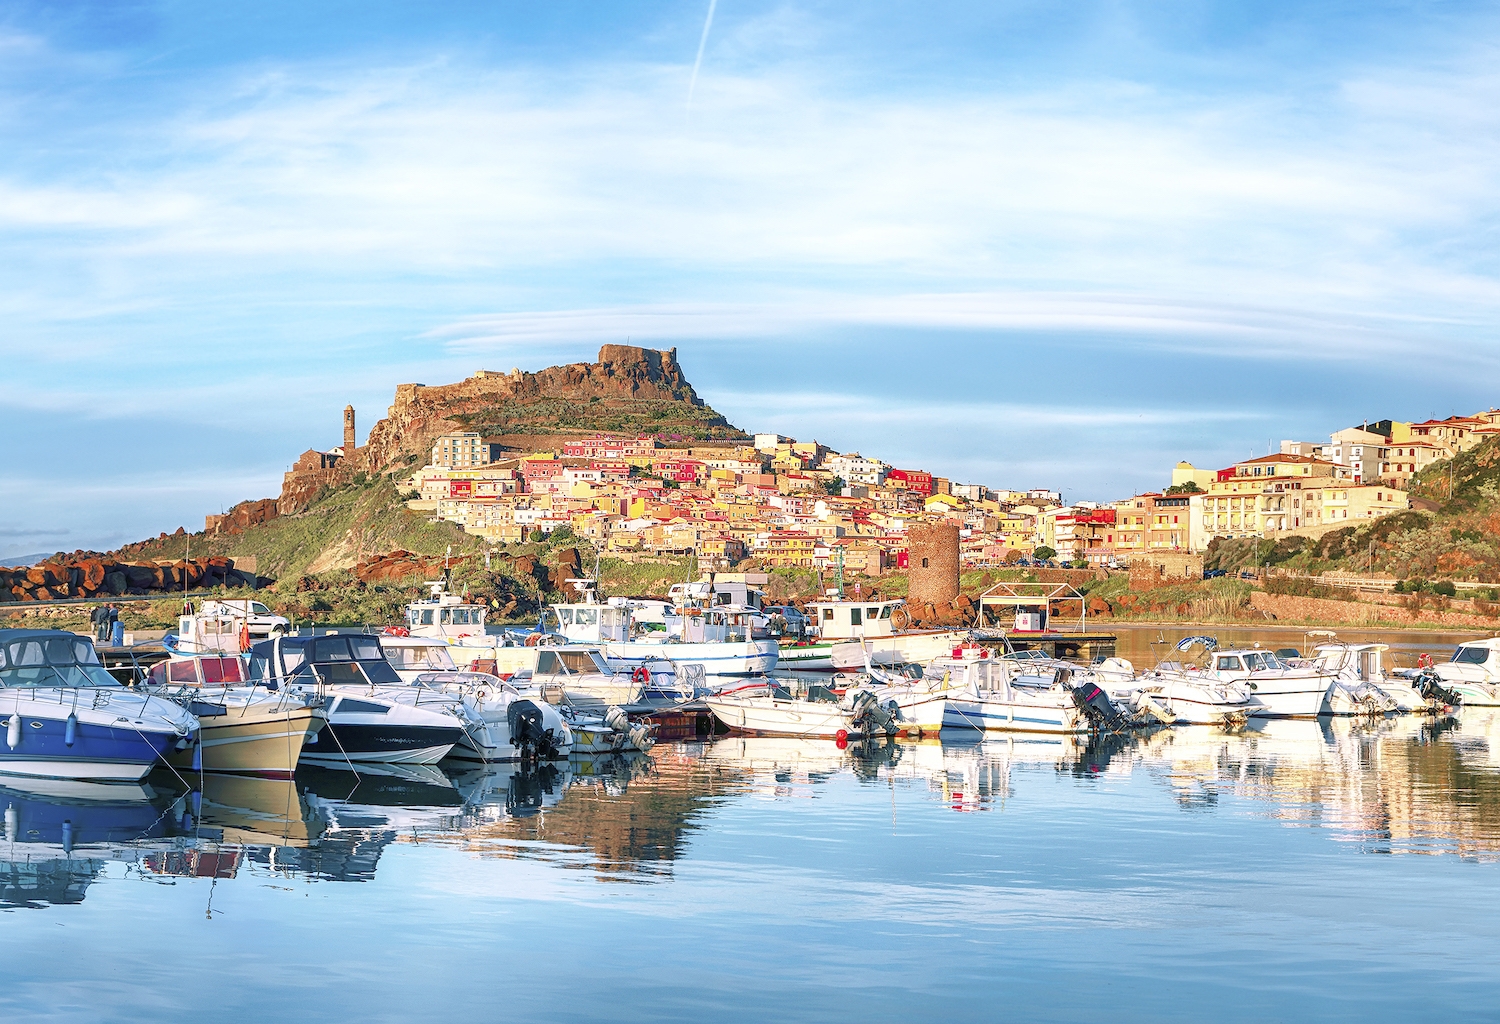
629	389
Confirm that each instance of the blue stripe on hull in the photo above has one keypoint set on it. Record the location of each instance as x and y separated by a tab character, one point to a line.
92	745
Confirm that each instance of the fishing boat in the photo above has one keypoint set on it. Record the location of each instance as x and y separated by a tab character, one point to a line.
67	718
850	630
243	728
372	716
718	638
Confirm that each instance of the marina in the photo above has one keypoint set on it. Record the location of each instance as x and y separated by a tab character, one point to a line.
996	847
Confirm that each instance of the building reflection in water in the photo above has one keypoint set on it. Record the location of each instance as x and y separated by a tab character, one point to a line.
1387	785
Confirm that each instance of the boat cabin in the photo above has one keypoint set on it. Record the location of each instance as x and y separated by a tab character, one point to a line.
591	623
570	661
339	658
1479	654
969	670
712	625
47	658
443	614
721	589
417	654
1361	660
210	670
846	620
1231	665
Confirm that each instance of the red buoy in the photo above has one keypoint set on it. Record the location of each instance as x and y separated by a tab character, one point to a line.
841	738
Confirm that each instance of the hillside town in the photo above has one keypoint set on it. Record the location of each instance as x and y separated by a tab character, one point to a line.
787	503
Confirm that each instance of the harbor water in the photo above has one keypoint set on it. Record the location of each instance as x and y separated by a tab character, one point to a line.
1341	870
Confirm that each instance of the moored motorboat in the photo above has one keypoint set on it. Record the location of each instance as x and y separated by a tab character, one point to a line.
243	729
819	715
1280	690
487	704
1473	673
65	717
372	715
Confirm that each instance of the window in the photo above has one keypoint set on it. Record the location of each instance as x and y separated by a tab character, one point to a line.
330	648
854	618
924	563
1470	656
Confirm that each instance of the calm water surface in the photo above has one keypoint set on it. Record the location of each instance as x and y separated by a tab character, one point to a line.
1340	871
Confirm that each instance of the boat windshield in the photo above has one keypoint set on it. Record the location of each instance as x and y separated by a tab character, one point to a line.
430	656
1471	655
52	661
1262	661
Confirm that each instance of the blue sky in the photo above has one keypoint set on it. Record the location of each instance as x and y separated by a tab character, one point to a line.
1018	243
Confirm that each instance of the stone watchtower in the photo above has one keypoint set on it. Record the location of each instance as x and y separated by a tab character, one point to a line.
349	430
932	562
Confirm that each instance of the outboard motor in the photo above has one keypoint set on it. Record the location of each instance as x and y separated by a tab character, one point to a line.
529	730
1099	709
1430	686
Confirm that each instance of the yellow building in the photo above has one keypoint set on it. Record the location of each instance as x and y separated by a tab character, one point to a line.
1186	472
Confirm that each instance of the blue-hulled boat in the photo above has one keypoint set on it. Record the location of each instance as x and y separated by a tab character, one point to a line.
65	717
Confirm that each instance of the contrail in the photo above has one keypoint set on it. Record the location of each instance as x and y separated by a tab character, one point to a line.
708	23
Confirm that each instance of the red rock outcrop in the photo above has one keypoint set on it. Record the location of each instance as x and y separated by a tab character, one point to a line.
106	577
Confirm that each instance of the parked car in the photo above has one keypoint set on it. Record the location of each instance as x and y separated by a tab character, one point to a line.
796	622
261	621
1213	574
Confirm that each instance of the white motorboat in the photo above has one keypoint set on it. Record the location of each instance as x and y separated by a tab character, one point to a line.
918	701
984	695
1191	696
243	729
372	716
67	718
1474	672
819	715
1280	690
1364	687
491	706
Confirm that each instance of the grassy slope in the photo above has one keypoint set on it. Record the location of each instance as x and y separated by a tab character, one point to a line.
355	521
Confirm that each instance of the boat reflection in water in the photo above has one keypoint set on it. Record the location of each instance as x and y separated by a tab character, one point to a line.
1385	785
60	835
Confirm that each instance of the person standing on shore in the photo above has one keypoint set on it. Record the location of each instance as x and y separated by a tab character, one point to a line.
99	616
111	617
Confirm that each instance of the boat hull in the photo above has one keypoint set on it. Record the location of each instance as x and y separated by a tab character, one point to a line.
337	743
768	716
896	649
750	658
1290	696
805	657
98	753
1017	714
253	741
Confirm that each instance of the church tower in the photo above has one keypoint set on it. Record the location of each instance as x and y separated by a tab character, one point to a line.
348	430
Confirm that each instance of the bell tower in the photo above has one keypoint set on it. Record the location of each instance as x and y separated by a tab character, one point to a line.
348	430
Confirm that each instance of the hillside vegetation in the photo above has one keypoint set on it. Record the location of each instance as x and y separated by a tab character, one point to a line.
1460	540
